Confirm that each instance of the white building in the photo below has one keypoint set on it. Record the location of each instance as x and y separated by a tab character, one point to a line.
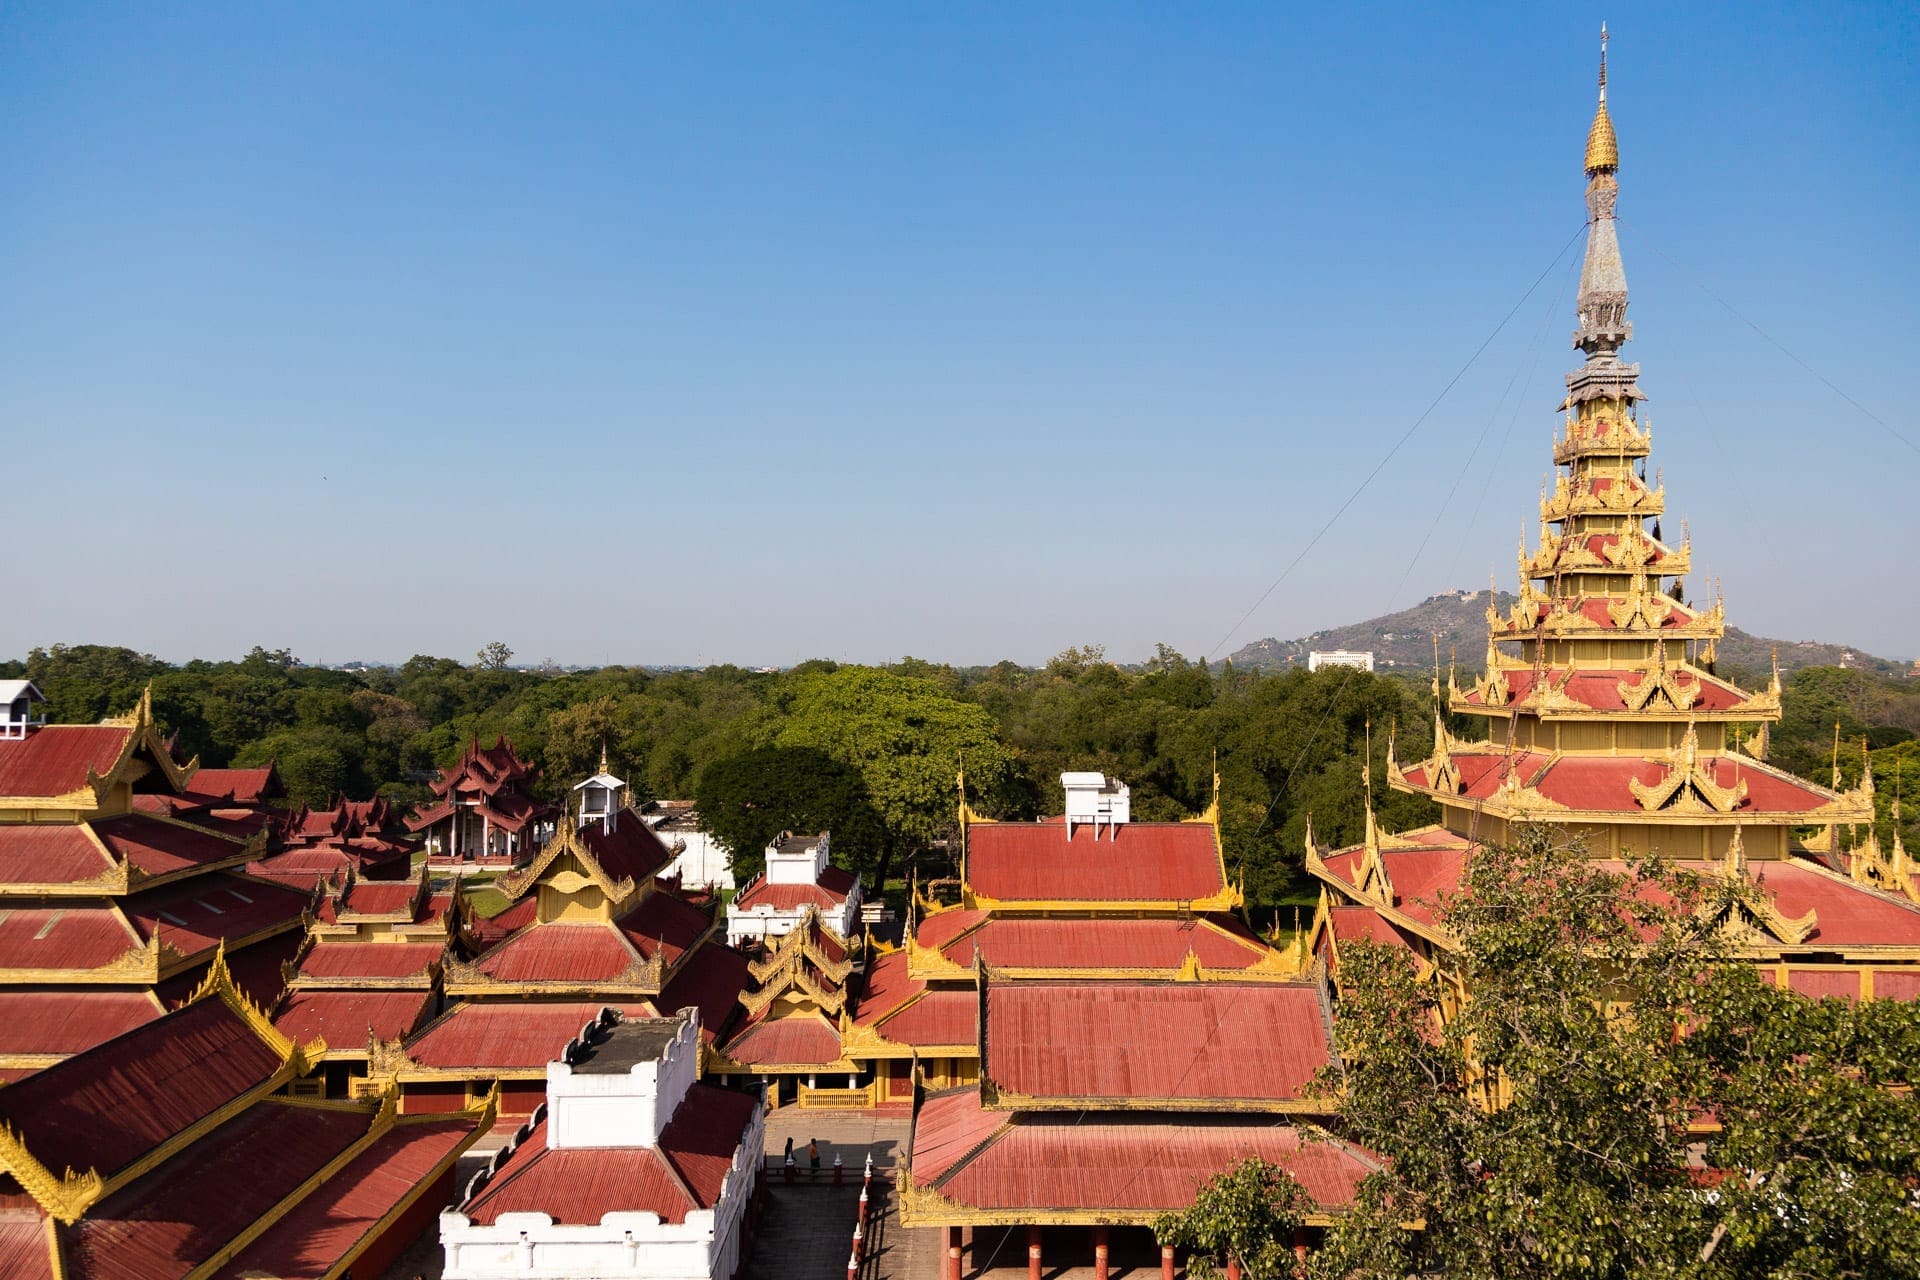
612	1176
1319	658
798	876
699	860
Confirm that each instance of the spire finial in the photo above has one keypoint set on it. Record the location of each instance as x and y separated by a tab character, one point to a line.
1603	152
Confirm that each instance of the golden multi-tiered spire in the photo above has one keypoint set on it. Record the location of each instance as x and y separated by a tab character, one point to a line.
1603	153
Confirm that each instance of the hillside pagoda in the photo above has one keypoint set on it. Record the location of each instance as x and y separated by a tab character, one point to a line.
1606	719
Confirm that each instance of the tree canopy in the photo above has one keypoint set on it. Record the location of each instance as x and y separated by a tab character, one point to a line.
1550	1126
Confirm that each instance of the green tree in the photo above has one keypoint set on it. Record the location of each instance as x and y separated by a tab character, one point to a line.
746	800
905	736
494	656
1248	1213
1543	1129
84	683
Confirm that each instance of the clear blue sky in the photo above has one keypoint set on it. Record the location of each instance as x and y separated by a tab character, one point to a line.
750	333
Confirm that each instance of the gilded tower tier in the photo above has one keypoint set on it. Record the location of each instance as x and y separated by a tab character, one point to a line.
1603	715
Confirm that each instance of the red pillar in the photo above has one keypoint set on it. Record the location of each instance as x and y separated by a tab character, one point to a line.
1033	1252
1300	1251
1233	1268
950	1243
1099	1253
1166	1262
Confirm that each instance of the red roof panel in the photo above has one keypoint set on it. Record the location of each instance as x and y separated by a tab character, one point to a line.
344	1019
164	1224
192	915
33	854
710	980
1128	1164
63	938
68	1021
103	1108
54	760
158	848
630	849
1256	1042
325	1227
369	959
560	951
25	1251
1102	943
664	924
508	1037
800	1039
1136	861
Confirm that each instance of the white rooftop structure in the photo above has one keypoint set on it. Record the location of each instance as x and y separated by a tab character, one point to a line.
1093	798
600	797
18	698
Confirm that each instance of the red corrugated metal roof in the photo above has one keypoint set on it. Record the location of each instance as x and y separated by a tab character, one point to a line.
161	1226
947	1127
494	929
942	927
1142	861
1250	1042
25	1252
1125	1163
940	1017
192	915
803	1039
65	854
68	1021
505	1036
581	1185
664	923
560	951
328	1225
574	1185
369	959
884	987
1364	924
630	849
54	760
103	1108
78	937
344	1018
1846	914
1102	943
158	848
711	980
249	786
788	897
380	898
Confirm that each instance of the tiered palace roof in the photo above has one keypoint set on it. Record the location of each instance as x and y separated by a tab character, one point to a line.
1604	713
166	1151
122	872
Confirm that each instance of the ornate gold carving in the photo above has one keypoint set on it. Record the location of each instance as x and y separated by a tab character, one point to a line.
1688	786
65	1197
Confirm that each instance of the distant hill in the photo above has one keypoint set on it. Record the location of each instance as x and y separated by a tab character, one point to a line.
1404	641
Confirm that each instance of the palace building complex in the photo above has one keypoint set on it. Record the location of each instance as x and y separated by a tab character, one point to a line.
244	1038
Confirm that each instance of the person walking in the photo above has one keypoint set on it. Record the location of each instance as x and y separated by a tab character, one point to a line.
789	1151
813	1152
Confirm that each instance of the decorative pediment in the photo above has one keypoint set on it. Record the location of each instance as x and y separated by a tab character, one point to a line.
65	1196
1659	686
1688	785
1753	917
566	840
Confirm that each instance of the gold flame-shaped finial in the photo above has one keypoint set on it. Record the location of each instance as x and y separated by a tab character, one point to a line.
1603	153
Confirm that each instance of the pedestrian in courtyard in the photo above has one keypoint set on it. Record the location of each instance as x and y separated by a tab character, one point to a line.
789	1151
813	1152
